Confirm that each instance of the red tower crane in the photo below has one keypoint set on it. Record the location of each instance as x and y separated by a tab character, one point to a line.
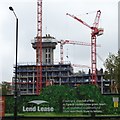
95	32
39	48
63	42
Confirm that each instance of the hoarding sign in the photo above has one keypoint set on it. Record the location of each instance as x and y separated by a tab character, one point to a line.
66	101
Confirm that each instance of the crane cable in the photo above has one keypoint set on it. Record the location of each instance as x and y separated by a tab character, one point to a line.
100	57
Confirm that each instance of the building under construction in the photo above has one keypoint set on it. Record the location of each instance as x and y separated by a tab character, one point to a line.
31	78
52	73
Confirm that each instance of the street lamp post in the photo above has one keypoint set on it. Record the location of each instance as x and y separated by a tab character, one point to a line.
15	83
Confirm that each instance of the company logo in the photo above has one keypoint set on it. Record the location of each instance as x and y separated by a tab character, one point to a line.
38	108
38	102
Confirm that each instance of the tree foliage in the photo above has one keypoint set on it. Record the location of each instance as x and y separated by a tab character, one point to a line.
112	65
6	88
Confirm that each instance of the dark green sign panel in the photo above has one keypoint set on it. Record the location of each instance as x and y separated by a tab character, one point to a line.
65	101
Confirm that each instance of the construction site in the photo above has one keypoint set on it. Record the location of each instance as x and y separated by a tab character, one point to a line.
47	81
33	77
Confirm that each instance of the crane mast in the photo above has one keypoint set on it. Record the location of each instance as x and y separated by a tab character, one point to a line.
95	32
39	48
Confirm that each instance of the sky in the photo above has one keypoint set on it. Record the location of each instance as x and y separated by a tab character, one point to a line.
59	25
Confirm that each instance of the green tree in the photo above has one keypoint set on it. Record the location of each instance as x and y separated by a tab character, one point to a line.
112	65
6	88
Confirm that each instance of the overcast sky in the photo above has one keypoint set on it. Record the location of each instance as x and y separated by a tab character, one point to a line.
56	23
